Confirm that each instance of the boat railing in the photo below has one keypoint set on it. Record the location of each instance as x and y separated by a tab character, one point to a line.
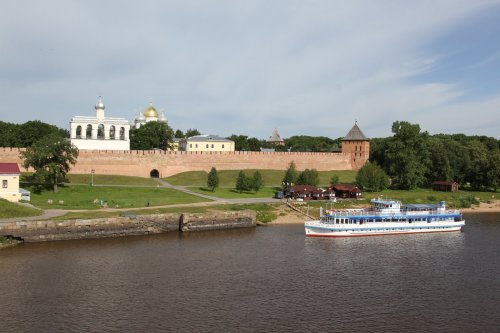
363	212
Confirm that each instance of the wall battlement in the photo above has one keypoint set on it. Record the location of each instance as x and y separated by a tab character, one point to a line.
168	163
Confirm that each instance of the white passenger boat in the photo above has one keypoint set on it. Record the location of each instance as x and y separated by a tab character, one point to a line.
385	217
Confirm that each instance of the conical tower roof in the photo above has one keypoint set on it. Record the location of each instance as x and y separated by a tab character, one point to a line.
355	134
275	136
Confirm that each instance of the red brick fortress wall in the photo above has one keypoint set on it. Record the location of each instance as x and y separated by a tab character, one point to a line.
140	163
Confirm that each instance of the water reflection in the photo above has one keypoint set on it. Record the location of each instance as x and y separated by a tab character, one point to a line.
264	279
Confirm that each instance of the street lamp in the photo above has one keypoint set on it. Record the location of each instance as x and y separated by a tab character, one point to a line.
92	175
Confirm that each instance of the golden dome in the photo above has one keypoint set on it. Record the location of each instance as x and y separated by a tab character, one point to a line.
150	112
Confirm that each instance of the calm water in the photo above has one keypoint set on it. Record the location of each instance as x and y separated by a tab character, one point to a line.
267	279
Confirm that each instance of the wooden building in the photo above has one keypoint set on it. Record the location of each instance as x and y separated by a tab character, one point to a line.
346	191
445	186
304	192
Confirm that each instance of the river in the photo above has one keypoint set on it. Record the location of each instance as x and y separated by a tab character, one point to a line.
265	279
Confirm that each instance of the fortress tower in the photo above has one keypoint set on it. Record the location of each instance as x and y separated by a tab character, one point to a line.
276	138
358	145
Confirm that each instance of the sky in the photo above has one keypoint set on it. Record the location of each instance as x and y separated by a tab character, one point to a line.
246	67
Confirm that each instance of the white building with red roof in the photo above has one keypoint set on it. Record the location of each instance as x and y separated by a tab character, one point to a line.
9	180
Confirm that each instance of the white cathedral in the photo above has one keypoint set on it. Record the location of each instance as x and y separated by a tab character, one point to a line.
150	114
100	132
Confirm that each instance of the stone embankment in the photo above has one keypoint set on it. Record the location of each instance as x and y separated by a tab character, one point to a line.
49	230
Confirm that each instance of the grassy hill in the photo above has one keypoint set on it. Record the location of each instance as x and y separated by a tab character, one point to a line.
86	179
89	197
271	178
9	209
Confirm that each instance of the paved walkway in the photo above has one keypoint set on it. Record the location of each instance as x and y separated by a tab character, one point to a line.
164	183
47	214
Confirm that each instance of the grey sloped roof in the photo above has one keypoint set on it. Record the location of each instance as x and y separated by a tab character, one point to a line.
207	137
355	134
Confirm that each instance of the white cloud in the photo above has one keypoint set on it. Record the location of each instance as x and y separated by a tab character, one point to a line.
238	66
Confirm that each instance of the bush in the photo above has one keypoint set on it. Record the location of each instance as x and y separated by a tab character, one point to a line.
243	182
372	178
464	203
468	201
213	179
257	182
266	217
334	180
308	177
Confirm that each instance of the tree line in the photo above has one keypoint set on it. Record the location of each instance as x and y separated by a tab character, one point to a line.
243	181
298	143
412	158
25	135
159	135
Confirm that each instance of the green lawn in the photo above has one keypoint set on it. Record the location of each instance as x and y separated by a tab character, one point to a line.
9	209
271	178
110	180
161	210
231	193
345	176
102	179
429	196
83	197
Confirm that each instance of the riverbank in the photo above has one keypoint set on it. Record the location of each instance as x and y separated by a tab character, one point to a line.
128	225
484	207
8	242
287	216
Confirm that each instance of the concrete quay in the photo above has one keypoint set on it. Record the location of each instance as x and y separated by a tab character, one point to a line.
50	230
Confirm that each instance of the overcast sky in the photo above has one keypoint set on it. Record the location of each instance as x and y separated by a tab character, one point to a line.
246	67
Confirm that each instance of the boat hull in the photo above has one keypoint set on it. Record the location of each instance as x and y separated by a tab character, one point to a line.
317	229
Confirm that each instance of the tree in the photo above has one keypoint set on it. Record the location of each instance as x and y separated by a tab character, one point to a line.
372	178
178	134
154	134
291	175
213	179
334	179
439	167
51	158
459	159
407	155
240	142
243	183
308	177
257	182
192	132
24	135
312	143
253	144
477	174
493	170
416	159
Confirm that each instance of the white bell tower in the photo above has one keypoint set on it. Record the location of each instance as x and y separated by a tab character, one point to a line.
99	110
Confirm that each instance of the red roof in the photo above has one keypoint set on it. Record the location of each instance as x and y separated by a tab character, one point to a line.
9	168
345	187
442	182
303	188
